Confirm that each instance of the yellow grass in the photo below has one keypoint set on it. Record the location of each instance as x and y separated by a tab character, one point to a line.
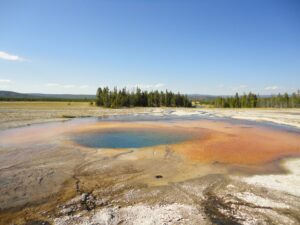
44	105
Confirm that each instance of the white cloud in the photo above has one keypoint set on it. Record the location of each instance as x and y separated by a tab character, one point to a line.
242	86
10	57
147	86
5	81
272	88
66	86
52	85
159	85
238	88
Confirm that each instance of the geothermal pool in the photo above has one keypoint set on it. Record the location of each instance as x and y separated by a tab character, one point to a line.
56	171
128	138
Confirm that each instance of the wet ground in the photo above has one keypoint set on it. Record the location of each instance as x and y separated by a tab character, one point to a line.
216	176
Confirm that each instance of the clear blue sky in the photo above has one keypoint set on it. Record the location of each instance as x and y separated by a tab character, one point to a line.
206	47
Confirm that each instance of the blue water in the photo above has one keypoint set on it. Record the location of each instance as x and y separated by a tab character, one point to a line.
128	139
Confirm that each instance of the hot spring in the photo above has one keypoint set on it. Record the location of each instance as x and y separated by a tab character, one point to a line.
128	138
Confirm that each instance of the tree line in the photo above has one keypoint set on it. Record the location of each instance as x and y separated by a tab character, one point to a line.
255	101
124	98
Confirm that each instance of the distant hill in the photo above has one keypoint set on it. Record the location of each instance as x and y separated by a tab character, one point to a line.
10	95
199	97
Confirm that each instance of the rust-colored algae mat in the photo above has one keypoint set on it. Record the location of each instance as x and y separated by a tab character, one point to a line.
209	141
235	144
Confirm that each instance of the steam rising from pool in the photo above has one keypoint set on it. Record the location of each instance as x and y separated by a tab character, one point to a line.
128	139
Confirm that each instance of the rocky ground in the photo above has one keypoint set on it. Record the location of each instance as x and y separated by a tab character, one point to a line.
213	199
289	117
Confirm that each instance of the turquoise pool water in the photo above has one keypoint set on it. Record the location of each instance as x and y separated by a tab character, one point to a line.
127	139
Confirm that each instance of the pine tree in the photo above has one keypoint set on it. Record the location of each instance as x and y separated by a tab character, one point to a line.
123	98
